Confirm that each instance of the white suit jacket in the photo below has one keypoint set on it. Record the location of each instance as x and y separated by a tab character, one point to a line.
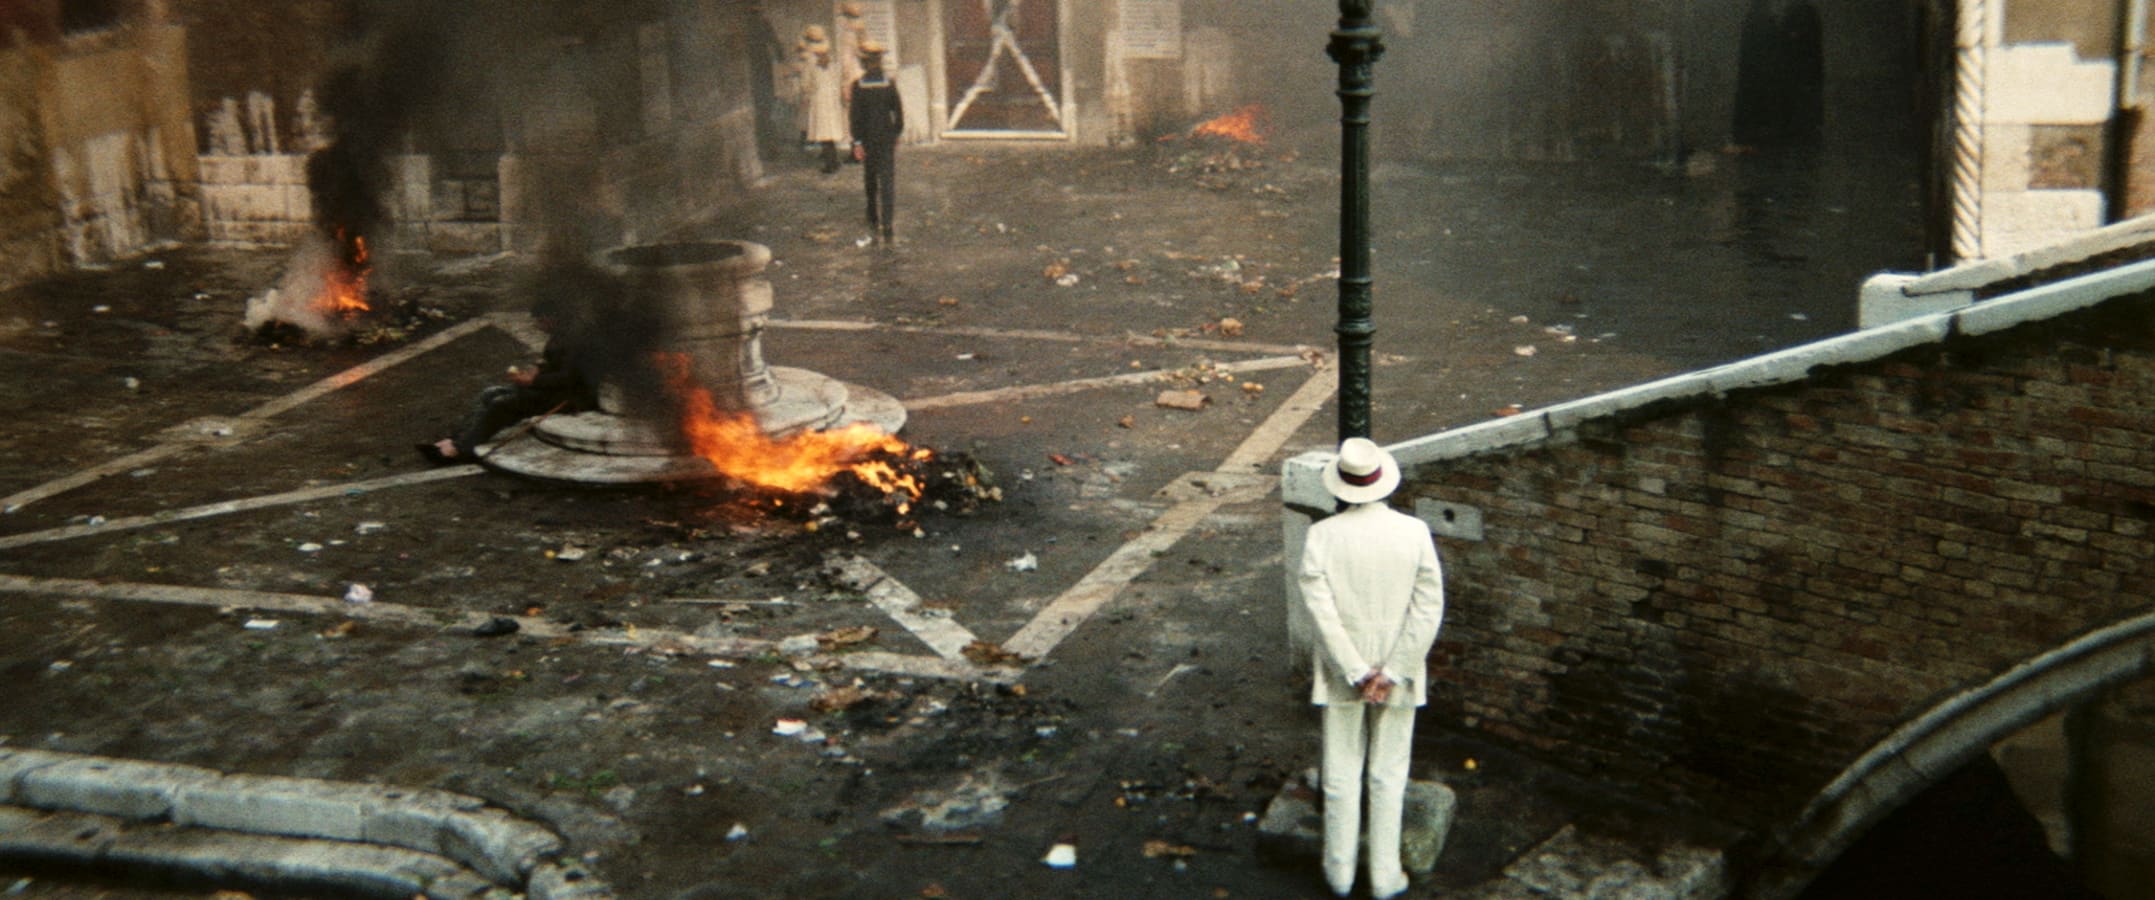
1375	591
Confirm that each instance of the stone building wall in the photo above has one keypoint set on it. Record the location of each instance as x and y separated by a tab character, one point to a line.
1729	599
29	214
99	162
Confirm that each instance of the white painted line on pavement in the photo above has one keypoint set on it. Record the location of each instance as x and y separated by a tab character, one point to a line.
127	463
1279	428
283	404
925	667
232	506
1106	580
375	611
941	633
1062	337
360	372
1037	391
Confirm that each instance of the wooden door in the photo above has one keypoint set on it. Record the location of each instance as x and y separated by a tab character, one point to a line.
1003	61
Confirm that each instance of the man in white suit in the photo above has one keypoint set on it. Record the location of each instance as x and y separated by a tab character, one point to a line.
1375	592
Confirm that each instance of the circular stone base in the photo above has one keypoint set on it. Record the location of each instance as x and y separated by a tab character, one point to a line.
805	401
538	455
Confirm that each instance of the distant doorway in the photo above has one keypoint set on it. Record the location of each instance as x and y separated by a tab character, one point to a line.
1003	60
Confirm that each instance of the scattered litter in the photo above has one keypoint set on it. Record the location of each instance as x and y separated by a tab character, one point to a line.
846	637
569	553
260	624
1026	563
496	627
133	383
153	264
1056	270
1520	320
1503	411
720	663
863	241
1188	400
1127	422
840	699
1471	764
1527	350
308	547
61	665
341	630
1061	856
370	527
986	654
1068	280
968	356
101	308
1800	317
946	301
798	729
359	593
738	832
1156	849
1060	459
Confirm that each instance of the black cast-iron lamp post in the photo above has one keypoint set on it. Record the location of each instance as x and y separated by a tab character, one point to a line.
1355	46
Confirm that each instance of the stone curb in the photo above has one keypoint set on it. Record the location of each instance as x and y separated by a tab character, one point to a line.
92	842
459	830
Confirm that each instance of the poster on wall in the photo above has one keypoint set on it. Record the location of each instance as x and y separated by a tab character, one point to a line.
1152	29
881	21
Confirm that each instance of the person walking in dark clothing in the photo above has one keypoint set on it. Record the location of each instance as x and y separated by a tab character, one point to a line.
878	119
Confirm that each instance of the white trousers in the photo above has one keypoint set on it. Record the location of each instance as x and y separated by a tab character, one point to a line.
1361	738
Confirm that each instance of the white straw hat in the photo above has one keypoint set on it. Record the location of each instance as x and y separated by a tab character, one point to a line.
1362	472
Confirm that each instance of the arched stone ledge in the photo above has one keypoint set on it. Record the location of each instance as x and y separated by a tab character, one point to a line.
1933	744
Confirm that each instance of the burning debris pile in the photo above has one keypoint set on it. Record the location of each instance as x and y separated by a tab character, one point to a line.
854	497
1224	144
369	100
325	297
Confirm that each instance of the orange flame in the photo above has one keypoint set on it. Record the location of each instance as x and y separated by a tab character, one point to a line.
807	462
1240	125
344	288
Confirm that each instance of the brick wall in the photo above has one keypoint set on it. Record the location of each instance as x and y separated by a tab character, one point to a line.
1728	600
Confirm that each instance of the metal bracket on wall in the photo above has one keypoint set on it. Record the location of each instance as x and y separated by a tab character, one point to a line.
1450	520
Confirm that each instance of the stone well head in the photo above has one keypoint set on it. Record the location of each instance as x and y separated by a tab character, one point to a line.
702	307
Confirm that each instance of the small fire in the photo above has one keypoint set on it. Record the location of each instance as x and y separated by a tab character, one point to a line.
807	462
1244	125
344	287
323	290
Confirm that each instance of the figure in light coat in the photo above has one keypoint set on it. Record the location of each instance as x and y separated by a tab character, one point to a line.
1375	591
826	119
